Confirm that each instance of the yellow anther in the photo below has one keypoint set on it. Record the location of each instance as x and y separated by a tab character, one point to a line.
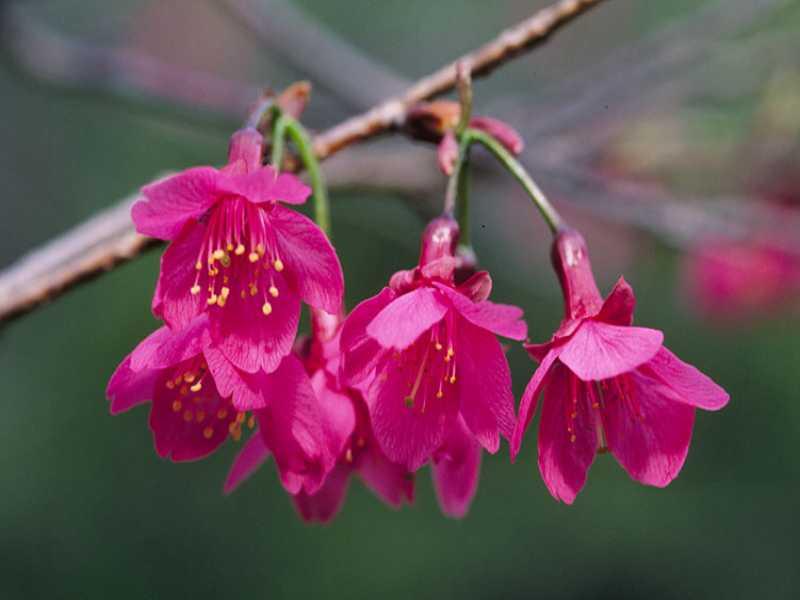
273	291
197	386
187	415
243	294
208	432
221	302
218	254
239	250
170	385
452	379
184	390
439	394
212	300
447	358
260	249
237	435
177	405
200	416
222	413
240	418
188	377
177	380
278	265
348	456
572	438
229	247
226	261
251	421
252	257
450	352
198	265
438	346
225	292
253	289
266	309
195	289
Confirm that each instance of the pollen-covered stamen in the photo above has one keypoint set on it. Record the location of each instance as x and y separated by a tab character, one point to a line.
595	397
571	408
239	247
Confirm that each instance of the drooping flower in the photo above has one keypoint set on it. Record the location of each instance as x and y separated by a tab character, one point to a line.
350	433
437	383
199	399
238	254
608	386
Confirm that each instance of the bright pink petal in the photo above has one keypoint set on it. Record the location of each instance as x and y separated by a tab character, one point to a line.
455	471
294	430
166	347
173	301
441	268
647	431
530	398
599	351
409	429
360	353
401	322
567	443
502	319
247	461
324	504
265	185
128	388
688	384
483	385
390	481
447	153
339	417
170	203
477	288
251	340
246	150
619	305
311	262
247	391
501	131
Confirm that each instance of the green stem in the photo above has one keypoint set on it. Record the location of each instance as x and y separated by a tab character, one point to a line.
278	142
462	198
513	166
298	134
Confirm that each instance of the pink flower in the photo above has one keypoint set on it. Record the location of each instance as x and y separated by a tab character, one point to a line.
199	399
239	254
436	380
347	421
608	386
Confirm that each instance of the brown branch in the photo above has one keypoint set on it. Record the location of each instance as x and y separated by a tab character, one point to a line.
103	242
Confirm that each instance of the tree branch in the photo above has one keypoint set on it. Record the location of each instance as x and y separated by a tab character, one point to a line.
102	243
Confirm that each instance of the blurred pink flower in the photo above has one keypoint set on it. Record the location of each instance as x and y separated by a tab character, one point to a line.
199	399
239	254
608	386
728	279
436	380
349	430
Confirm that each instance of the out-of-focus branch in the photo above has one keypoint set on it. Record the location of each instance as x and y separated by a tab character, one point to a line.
51	58
329	61
63	268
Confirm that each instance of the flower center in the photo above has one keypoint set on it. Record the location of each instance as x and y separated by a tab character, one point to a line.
437	366
239	256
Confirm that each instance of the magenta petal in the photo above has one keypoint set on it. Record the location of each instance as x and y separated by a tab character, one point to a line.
293	429
400	323
455	472
390	481
265	185
128	388
477	288
247	391
599	351
360	353
502	319
618	307
311	262
484	385
247	461
173	301
170	203
502	132
339	417
447	153
166	347
563	460
324	504
688	385
527	405
647	431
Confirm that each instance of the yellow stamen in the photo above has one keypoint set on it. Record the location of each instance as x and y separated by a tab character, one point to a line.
239	250
222	413
278	265
197	386
438	346
170	385
208	432
273	291
218	254
177	406
266	309
252	257
195	290
251	422
198	265
212	300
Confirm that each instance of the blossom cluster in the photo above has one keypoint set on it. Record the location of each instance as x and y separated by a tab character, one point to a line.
415	375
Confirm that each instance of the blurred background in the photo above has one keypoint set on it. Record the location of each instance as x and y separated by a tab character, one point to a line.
668	131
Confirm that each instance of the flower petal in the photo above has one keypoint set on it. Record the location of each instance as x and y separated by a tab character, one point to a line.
128	388
563	460
688	384
402	321
390	481
647	431
527	405
173	301
311	262
456	467
265	185
598	350
360	353
339	417
324	504
247	461
166	347
170	203
477	288
618	307
484	385
247	391
502	319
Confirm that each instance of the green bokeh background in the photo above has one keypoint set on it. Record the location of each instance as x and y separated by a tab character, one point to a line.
87	510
